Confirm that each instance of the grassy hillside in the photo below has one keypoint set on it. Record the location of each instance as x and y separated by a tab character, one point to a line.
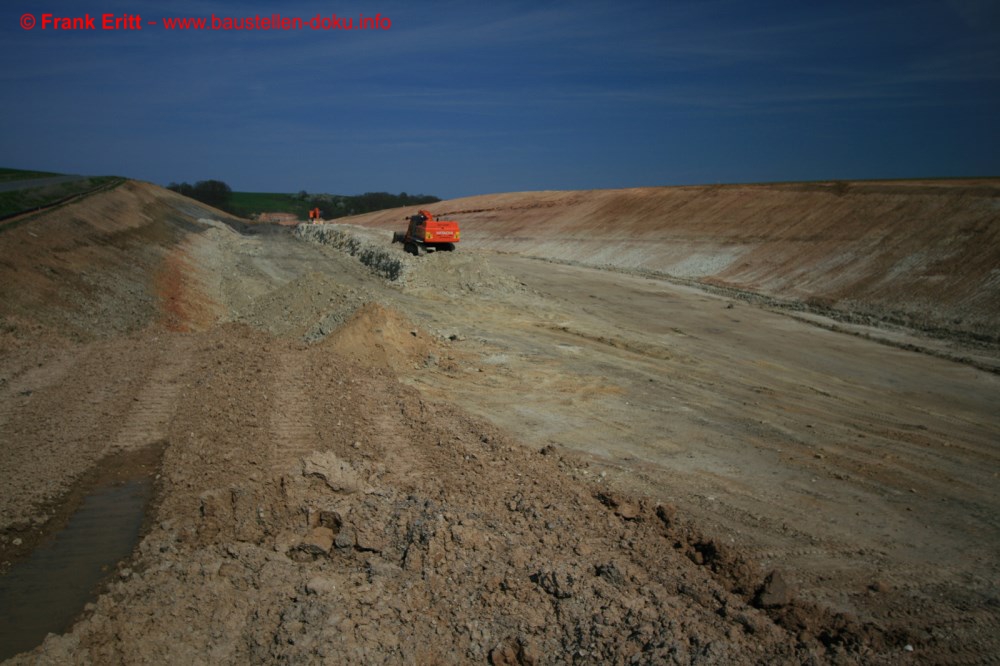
7	175
248	204
19	201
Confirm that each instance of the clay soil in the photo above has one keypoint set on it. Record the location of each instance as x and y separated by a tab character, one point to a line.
506	457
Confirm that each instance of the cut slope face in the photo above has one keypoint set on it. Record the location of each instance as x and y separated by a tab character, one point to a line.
925	254
109	264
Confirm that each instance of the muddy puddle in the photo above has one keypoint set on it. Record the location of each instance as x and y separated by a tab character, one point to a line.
46	590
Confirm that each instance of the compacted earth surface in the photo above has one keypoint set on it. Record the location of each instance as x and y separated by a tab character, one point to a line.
514	453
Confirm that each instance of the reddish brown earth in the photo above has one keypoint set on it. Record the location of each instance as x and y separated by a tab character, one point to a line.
504	460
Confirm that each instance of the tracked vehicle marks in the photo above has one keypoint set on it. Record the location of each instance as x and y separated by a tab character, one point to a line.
293	430
156	402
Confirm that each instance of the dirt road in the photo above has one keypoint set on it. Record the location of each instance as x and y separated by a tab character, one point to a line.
495	458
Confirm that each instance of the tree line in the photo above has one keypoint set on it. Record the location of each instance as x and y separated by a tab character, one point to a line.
212	192
218	194
338	205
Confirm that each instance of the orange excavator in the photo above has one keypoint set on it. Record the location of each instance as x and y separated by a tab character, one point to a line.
426	233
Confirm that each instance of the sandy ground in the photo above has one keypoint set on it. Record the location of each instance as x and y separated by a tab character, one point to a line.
495	458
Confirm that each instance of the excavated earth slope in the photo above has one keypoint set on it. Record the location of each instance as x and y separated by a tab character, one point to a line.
925	254
487	459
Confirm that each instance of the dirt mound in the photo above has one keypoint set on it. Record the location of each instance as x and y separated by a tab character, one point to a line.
357	522
381	337
922	254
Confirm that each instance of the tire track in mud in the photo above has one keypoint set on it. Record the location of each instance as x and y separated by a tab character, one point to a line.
157	401
293	428
395	432
91	401
67	404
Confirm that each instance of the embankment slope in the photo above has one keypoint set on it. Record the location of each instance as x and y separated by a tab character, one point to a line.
109	264
925	254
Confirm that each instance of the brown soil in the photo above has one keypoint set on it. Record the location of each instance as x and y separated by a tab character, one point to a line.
917	253
492	459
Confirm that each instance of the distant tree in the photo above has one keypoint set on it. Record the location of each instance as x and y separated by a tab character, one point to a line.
212	192
182	188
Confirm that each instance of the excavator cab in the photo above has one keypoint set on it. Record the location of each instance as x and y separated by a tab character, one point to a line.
424	233
418	224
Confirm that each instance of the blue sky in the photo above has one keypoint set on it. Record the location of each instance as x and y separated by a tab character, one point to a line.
472	97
